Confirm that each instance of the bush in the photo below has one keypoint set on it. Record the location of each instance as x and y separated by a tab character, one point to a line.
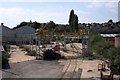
5	56
6	47
5	60
90	56
113	56
101	48
26	49
114	60
107	51
31	53
20	46
95	38
51	55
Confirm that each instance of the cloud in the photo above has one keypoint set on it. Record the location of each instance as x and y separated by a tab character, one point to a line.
16	15
111	6
59	0
103	4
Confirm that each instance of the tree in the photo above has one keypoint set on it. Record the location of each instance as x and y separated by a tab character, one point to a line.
71	19
20	25
76	22
50	26
36	25
110	24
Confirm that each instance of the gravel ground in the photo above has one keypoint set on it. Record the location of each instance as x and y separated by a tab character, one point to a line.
34	69
18	55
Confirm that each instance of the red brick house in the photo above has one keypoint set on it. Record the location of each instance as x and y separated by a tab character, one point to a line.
117	41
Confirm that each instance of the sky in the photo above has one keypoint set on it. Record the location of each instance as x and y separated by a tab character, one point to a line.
119	11
14	12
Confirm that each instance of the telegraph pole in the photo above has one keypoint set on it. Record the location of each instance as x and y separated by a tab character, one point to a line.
89	44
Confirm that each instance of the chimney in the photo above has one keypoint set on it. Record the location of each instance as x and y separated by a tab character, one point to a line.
2	24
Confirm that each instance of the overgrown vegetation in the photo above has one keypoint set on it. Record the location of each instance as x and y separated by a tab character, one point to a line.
5	56
6	47
5	60
105	50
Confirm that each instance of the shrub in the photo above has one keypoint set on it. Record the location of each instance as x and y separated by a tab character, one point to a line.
26	49
31	53
20	46
5	60
113	56
95	38
6	47
101	48
51	55
115	60
5	56
90	56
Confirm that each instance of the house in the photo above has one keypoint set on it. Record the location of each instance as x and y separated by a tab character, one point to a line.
24	34
109	37
7	34
117	40
114	38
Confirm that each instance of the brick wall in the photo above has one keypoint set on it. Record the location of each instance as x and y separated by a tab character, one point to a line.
117	41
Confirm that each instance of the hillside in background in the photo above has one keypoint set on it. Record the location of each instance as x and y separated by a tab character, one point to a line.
107	27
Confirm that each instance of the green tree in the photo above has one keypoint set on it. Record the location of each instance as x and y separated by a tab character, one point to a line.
20	25
36	25
76	22
50	26
73	21
110	24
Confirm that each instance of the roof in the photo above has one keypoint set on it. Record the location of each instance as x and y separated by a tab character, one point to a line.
108	35
5	27
118	35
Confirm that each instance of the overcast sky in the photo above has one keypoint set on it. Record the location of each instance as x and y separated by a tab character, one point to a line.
14	12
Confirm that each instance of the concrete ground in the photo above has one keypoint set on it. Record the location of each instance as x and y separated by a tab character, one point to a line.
23	66
89	68
33	69
50	69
